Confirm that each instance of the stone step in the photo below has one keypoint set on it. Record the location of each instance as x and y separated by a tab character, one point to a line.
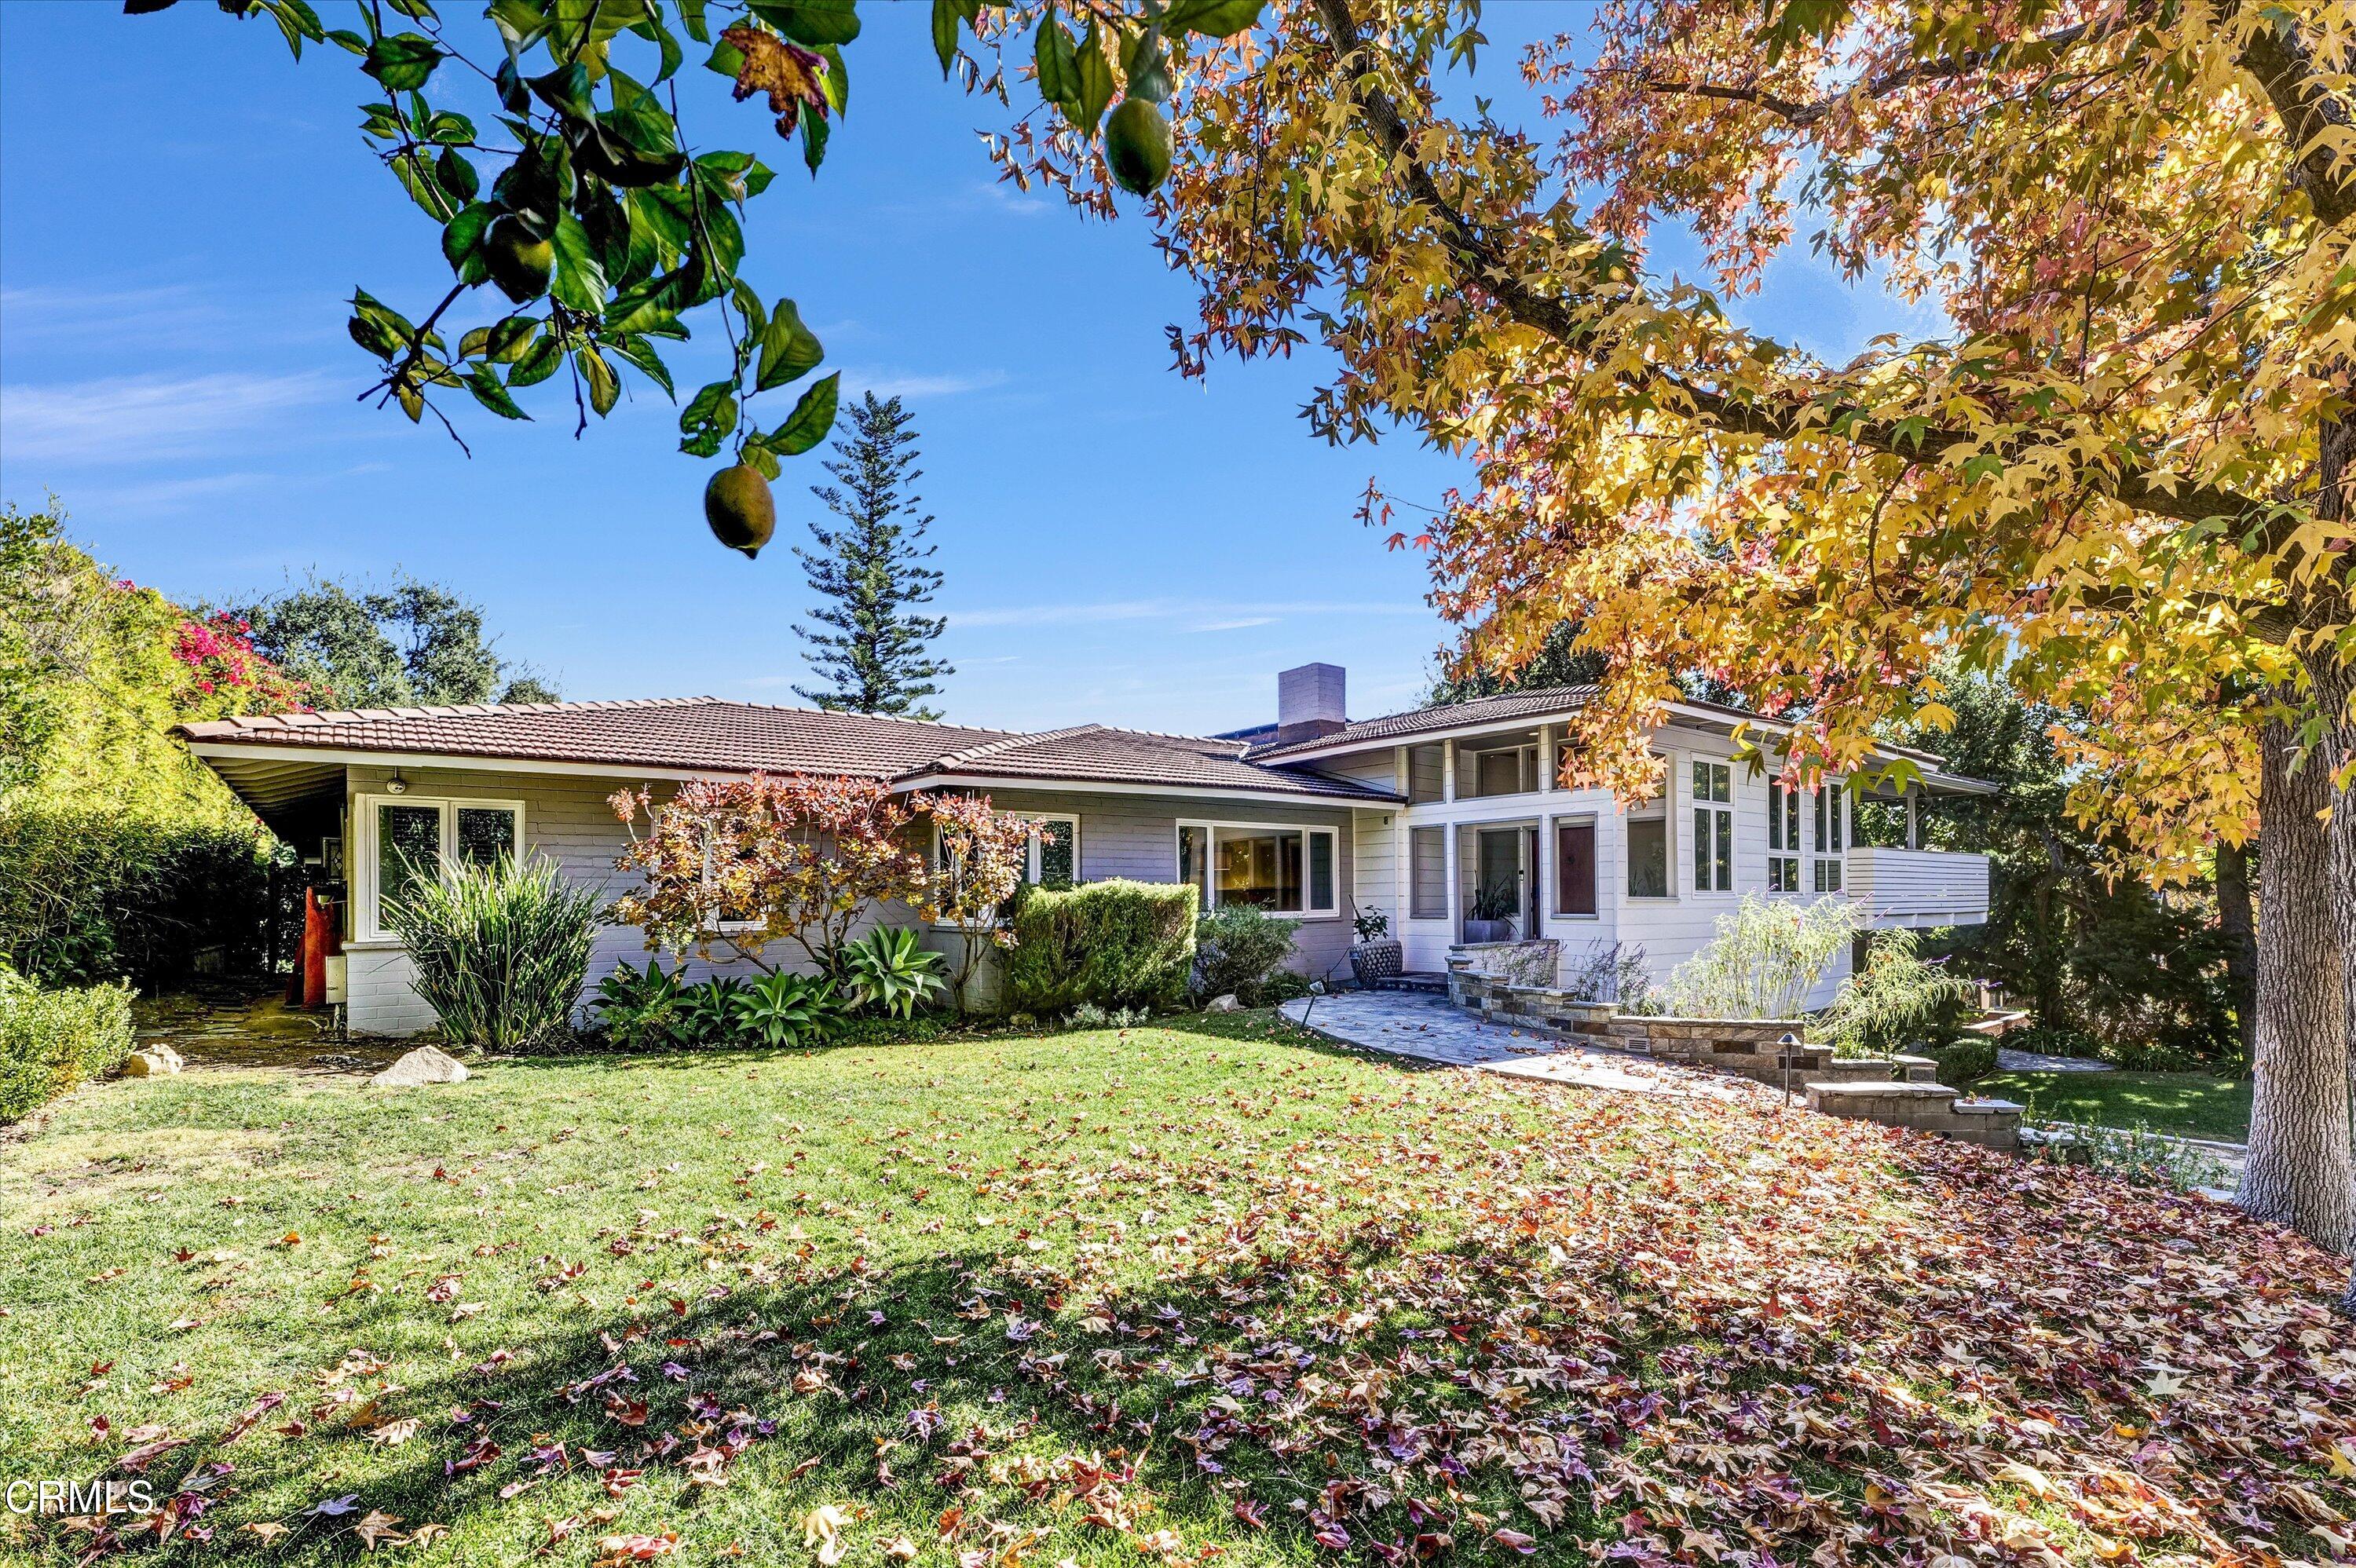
1924	1107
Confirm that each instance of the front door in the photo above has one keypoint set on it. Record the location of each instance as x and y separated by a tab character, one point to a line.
1500	863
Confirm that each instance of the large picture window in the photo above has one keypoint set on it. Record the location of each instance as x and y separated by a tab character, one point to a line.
405	837
1284	870
1713	821
1648	855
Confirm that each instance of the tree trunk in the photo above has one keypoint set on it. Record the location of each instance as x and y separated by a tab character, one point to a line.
2236	920
2300	1171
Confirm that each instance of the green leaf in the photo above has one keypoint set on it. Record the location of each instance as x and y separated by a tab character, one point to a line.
1054	54
748	305
757	179
493	396
650	307
834	82
810	23
510	336
566	90
461	241
457	174
725	59
815	131
416	10
708	419
1214	18
1092	76
580	282
758	456
947	14
789	349
691	17
449	127
605	384
402	62
540	363
812	418
641	353
344	37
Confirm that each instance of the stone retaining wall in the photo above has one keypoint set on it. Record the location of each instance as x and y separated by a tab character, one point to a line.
1893	1090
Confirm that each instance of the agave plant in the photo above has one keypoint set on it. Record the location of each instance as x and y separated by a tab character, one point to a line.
639	1008
783	1009
888	970
707	1013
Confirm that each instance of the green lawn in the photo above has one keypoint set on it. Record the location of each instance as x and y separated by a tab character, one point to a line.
1126	1298
2193	1104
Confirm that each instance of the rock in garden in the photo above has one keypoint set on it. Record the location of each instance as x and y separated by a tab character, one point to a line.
426	1064
1225	1004
152	1062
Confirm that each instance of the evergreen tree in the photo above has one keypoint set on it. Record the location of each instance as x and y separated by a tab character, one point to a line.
871	649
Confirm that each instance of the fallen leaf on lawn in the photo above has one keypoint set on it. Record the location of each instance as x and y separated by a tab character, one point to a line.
376	1529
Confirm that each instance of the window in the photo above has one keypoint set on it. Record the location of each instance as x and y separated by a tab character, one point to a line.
1054	851
405	839
1648	856
1831	807
1510	770
1284	870
1426	889
1783	839
1574	867
1713	820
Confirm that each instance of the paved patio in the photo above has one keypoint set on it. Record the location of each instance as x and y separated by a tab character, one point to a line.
1429	1029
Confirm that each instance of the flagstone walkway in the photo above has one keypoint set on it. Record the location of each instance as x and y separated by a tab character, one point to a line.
1431	1028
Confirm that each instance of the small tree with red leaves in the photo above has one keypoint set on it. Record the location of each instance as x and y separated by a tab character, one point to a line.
745	864
983	855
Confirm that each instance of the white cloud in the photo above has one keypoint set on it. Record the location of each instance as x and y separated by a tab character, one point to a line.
886	385
1230	614
129	419
1238	624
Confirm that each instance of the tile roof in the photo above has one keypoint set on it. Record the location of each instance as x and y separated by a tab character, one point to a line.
710	734
1449	716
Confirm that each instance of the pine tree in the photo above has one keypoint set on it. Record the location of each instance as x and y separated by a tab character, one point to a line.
871	649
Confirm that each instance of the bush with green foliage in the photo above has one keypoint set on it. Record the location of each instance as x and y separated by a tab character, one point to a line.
1966	1060
788	1009
51	1037
1767	956
638	1009
499	951
887	970
120	853
1898	999
1116	943
1240	950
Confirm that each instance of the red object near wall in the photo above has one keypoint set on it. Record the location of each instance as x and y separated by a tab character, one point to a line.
320	938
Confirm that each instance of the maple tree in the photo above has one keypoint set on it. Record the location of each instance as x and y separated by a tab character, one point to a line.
2119	475
981	855
745	864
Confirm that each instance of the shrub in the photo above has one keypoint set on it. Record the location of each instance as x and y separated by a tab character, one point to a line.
887	970
1240	948
639	1009
785	1009
52	1039
500	951
707	1013
1966	1062
1116	943
1898	996
1767	955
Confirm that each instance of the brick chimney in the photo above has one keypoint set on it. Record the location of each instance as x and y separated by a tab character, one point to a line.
1311	701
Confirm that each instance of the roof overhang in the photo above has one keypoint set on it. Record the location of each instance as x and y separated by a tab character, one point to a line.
937	779
1708	715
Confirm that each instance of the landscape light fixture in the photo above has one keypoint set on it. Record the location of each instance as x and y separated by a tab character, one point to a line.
1790	1042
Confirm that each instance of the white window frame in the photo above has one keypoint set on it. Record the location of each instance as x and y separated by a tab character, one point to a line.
1782	837
1720	834
365	922
1306	829
1827	859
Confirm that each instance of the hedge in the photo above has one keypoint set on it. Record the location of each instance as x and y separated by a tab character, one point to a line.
1115	944
50	1040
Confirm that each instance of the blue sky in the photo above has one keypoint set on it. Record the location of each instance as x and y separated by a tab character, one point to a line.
183	210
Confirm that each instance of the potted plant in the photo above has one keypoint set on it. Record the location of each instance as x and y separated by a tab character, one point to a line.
1491	918
1378	955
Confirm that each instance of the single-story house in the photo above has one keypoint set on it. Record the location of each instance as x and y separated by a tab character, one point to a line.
1316	816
